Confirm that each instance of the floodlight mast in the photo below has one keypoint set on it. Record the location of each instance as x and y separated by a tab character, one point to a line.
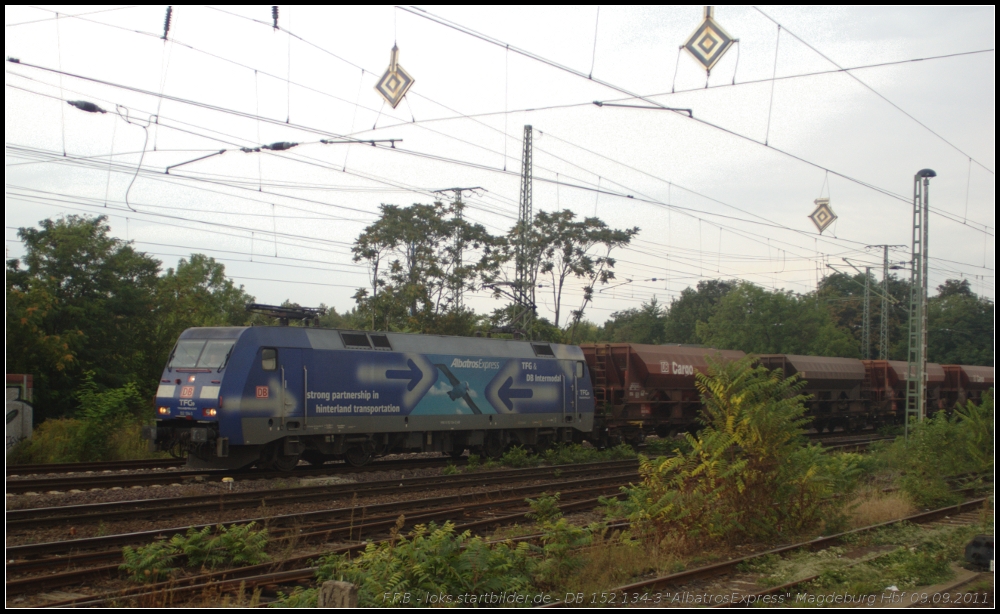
916	372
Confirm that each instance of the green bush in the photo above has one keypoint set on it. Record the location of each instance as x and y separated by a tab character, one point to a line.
430	561
748	474
569	454
150	563
518	457
106	427
941	447
237	545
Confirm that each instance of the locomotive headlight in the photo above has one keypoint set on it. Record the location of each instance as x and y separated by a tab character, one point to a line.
208	411
164	411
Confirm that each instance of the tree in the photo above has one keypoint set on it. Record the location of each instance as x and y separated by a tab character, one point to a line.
197	293
643	325
960	326
691	307
86	297
753	319
596	269
413	259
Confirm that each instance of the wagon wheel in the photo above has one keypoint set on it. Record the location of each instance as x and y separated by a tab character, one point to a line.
456	453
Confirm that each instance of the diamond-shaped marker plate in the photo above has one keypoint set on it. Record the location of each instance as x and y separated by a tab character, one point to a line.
395	82
709	42
823	216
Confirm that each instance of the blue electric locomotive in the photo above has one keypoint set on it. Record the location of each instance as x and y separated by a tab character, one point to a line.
270	396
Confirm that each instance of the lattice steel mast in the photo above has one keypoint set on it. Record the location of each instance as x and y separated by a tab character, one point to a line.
916	373
523	283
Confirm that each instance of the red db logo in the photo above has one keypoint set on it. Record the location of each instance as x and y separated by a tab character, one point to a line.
187	392
262	392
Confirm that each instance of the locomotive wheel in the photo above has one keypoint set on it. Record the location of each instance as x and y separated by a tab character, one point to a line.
493	446
285	463
314	457
273	460
357	456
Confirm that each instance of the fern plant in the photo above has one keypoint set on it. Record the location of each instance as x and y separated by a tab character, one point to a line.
150	563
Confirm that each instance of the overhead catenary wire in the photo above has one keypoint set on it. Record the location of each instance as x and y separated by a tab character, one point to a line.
453	25
876	92
899	197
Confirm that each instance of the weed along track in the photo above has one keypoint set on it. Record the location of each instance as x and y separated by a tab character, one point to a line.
344	514
737	582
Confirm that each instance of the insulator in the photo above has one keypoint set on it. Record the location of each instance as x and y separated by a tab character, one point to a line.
279	146
166	22
274	15
84	105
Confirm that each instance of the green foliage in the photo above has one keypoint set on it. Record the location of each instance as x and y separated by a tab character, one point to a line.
86	298
197	293
667	447
561	541
299	598
237	545
450	469
473	463
106	427
433	560
644	325
518	457
691	307
150	563
569	454
415	273
925	562
749	473
242	544
943	446
545	508
83	301
960	326
103	414
752	319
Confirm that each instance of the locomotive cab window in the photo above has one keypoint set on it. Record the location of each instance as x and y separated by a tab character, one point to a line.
269	359
579	369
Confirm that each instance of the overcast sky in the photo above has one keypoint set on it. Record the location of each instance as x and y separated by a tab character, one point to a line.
711	199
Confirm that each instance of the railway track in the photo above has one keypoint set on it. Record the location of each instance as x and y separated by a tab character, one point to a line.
291	571
348	523
52	468
91	479
87	482
963	513
144	508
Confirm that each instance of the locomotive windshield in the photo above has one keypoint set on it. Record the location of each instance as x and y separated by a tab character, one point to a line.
201	354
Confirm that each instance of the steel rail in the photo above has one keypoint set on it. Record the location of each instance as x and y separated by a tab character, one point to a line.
352	528
94	512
